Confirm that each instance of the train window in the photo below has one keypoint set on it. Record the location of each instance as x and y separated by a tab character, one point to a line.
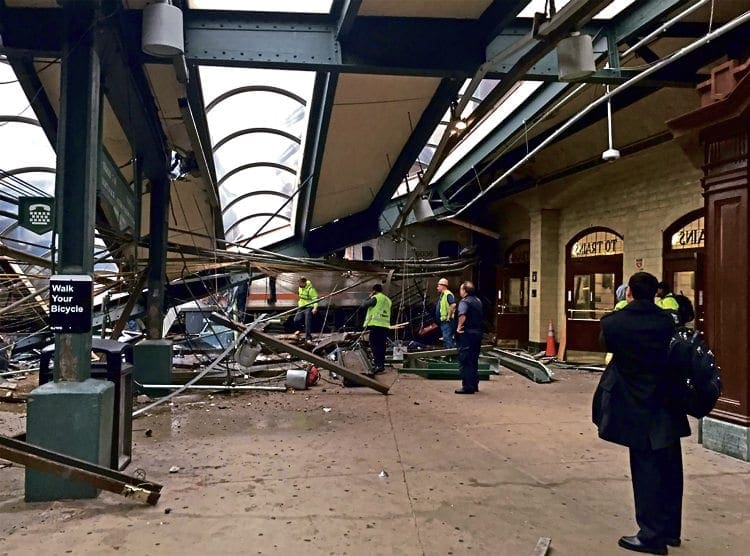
449	249
368	253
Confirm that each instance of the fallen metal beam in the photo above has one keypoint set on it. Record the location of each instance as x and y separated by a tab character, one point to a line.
303	354
319	361
78	470
523	365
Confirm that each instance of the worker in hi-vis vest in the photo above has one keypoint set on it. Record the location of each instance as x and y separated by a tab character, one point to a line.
308	306
445	311
377	323
666	300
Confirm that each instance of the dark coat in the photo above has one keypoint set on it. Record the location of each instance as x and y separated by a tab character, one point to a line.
630	402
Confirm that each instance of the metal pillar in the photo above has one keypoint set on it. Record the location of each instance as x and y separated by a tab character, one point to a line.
73	415
157	255
153	357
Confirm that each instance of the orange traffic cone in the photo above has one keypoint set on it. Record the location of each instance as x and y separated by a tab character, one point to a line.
551	350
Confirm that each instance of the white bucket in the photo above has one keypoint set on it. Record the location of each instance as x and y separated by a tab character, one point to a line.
297	379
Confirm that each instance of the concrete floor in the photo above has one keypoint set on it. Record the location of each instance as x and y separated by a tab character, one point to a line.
276	474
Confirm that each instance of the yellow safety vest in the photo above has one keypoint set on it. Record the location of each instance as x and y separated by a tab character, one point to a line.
444	305
380	313
307	294
668	303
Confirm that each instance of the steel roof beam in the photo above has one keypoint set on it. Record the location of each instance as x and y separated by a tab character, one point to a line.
321	108
626	26
347	16
196	104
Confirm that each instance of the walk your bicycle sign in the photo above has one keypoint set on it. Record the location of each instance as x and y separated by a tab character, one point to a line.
36	214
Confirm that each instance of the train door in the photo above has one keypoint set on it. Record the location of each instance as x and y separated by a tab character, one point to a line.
593	270
683	261
512	315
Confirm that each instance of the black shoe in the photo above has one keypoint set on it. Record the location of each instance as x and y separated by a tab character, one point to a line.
379	370
637	545
675	541
462	391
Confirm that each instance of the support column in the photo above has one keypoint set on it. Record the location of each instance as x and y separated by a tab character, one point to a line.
717	137
73	414
544	294
152	357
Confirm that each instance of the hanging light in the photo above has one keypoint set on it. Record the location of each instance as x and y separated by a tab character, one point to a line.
457	122
162	30
575	57
611	154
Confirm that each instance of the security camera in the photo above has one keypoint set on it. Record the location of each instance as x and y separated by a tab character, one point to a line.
610	155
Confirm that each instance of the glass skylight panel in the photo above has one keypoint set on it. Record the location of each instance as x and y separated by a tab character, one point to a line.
257	137
504	109
614	8
289	6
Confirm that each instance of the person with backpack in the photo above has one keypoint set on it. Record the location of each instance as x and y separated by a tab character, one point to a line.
630	409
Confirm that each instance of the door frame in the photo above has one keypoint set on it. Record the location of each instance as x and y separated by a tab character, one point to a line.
512	326
583	334
676	260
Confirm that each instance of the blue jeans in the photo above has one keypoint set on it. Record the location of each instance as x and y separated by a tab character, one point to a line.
303	322
446	329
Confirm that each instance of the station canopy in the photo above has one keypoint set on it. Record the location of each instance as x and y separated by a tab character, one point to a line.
304	126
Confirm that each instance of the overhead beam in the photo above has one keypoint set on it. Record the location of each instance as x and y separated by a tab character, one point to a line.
624	27
129	95
321	108
349	11
441	100
696	59
196	104
572	17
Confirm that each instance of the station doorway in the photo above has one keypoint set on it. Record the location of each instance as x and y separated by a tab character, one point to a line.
512	314
683	258
593	270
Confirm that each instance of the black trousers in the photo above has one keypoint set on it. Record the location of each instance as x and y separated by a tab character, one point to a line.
378	335
657	489
469	344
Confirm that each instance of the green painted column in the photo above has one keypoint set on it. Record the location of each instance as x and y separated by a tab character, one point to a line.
73	414
153	357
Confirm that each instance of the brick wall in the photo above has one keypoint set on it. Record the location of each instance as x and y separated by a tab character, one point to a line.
637	196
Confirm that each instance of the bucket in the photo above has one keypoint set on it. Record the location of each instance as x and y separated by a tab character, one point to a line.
297	379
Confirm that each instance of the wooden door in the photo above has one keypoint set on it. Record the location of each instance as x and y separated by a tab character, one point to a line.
590	287
685	276
512	315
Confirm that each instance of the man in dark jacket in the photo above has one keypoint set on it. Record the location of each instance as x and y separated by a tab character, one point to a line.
629	409
469	332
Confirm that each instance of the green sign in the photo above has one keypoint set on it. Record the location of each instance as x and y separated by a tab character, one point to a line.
36	214
116	197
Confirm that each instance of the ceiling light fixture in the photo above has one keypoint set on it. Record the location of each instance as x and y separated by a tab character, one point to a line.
575	57
457	123
611	154
162	33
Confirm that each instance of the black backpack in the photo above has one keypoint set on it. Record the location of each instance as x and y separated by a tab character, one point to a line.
685	311
696	378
